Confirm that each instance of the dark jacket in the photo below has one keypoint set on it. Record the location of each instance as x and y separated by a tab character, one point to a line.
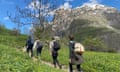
71	48
29	42
75	58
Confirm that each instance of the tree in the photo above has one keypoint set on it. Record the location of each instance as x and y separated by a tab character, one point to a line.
15	32
36	13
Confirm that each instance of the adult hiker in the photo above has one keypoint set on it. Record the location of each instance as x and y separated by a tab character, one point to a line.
38	45
29	45
54	47
74	58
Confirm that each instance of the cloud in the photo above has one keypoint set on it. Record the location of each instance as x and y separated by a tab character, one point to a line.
66	5
51	13
91	3
6	18
6	2
36	5
94	1
45	11
33	6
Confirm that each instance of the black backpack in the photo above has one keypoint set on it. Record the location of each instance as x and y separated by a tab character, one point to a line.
29	42
39	44
56	46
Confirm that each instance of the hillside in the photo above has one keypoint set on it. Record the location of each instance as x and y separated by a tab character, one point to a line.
9	38
13	59
93	61
90	23
4	31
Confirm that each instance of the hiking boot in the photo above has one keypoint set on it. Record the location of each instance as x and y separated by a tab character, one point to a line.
54	65
80	71
60	66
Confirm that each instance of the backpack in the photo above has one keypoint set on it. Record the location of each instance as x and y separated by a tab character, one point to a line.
56	46
39	44
79	48
29	42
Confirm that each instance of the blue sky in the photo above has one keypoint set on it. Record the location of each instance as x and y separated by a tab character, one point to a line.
9	5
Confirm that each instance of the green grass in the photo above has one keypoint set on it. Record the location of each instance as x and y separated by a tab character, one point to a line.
93	61
101	62
13	40
13	60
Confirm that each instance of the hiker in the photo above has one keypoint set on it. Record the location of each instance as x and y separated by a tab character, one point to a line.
29	45
74	58
38	45
54	47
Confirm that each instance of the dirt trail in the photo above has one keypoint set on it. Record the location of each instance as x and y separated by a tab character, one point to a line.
64	67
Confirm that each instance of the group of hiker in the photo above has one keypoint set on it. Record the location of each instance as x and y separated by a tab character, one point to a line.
75	55
31	45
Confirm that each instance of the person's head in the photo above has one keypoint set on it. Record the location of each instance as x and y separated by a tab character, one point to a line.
36	38
53	38
29	37
71	37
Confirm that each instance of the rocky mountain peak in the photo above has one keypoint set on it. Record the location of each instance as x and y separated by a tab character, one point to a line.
64	17
96	7
96	16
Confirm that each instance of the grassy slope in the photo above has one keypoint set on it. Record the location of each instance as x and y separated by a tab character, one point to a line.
93	61
93	35
13	60
13	40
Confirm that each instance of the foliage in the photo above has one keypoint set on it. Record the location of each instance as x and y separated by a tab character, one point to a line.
88	35
36	12
81	30
94	44
93	61
12	60
8	38
13	41
43	34
4	31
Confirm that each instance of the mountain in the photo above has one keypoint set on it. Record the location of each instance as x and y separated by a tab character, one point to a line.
92	22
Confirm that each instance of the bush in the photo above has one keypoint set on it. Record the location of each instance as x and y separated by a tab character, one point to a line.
94	44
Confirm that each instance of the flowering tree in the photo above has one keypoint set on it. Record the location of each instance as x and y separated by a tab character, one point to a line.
36	13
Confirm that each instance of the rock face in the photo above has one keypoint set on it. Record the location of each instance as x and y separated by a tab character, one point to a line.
103	18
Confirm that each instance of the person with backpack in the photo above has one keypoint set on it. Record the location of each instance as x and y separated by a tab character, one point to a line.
29	45
74	58
38	45
54	48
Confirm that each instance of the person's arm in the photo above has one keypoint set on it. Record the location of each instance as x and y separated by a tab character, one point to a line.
26	44
34	45
71	45
51	47
70	53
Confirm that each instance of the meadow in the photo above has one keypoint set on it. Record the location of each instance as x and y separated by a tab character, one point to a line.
13	60
93	61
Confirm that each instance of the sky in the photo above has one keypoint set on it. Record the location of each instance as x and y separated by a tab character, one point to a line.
9	6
